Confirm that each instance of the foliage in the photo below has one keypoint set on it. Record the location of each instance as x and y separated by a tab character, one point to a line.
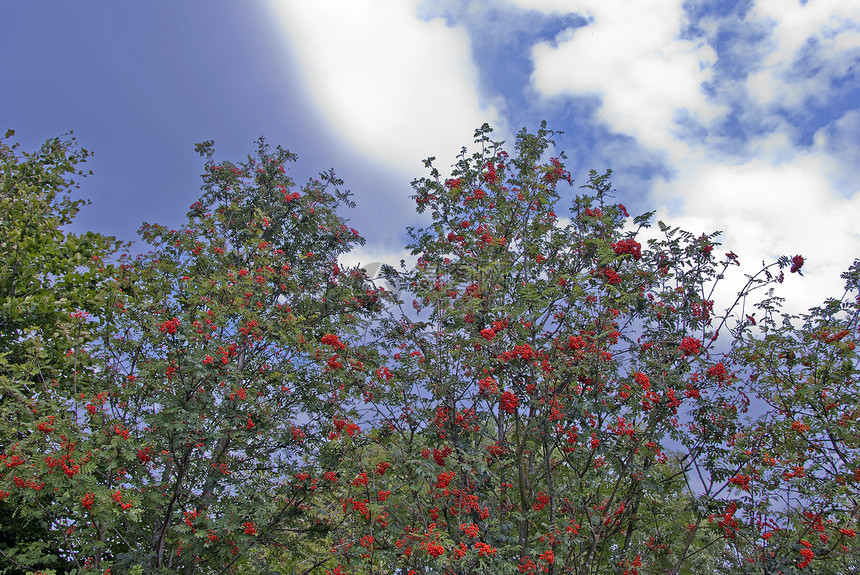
181	440
46	277
560	402
802	454
556	395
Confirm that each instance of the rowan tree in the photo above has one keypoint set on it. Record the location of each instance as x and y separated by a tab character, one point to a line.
185	435
560	398
799	459
556	394
47	276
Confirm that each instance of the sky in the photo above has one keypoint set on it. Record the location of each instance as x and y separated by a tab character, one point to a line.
739	116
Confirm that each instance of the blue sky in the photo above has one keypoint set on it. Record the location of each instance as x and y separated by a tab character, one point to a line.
739	116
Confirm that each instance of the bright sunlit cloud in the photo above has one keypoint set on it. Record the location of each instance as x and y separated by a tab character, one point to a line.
394	86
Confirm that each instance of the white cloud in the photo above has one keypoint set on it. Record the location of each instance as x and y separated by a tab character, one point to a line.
782	202
770	197
811	45
395	87
362	256
630	55
841	140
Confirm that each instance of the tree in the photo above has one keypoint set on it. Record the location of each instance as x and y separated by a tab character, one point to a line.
183	438
562	396
560	400
47	277
801	456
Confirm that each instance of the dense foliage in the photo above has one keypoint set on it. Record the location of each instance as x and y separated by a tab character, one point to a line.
556	394
46	276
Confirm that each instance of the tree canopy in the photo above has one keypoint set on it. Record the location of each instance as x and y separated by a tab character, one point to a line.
553	393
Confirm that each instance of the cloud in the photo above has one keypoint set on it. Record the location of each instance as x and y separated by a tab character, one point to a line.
811	45
631	55
702	104
395	87
841	141
731	149
767	209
